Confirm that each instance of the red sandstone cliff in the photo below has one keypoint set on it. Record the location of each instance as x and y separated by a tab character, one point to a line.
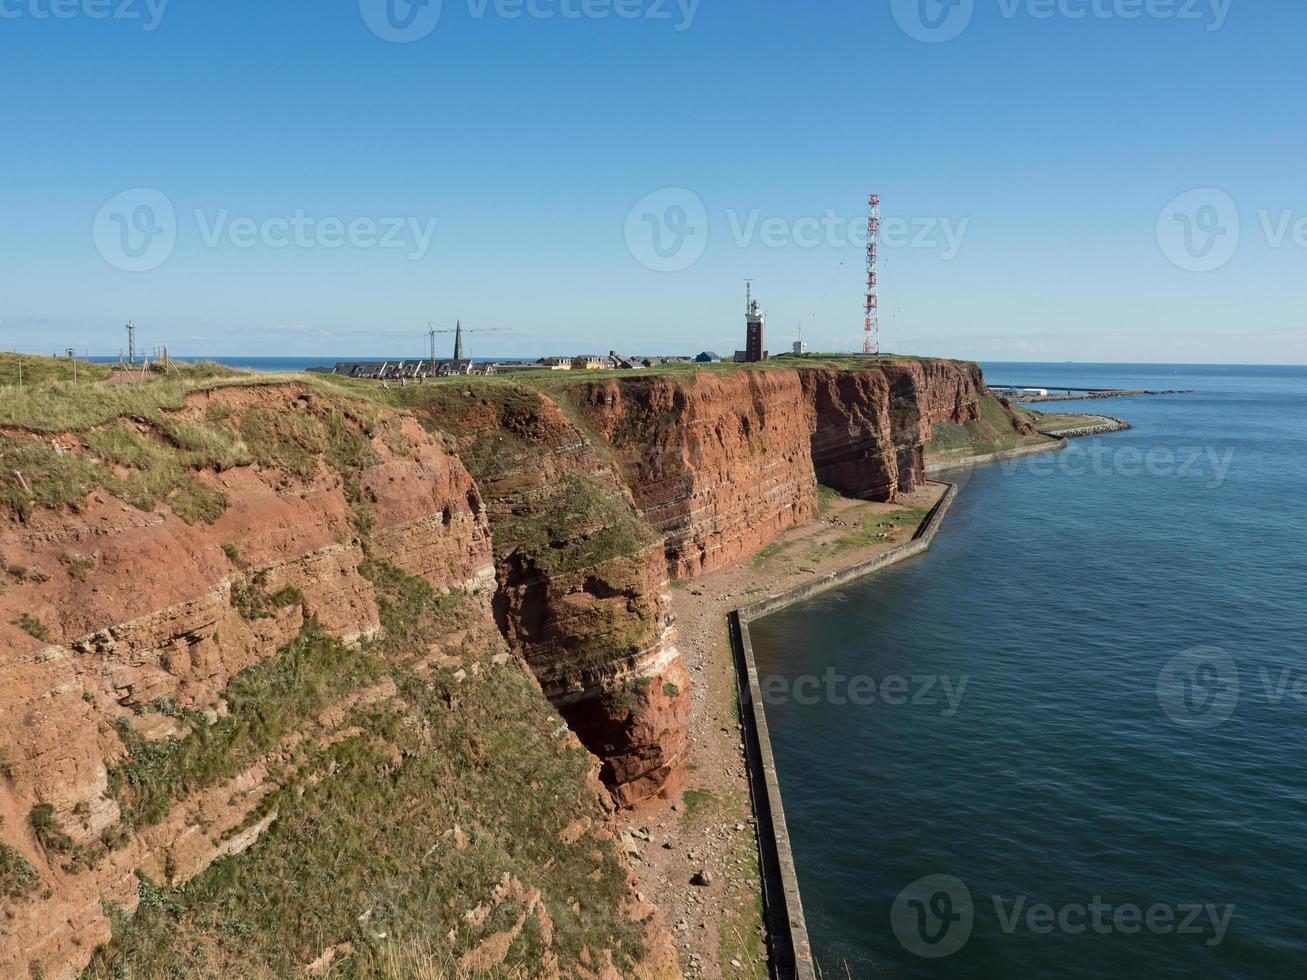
140	606
120	627
582	582
563	525
720	463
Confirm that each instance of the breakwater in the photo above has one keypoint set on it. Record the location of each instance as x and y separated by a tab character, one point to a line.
1109	424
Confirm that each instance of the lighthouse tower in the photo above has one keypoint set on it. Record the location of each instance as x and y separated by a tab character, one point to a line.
755	324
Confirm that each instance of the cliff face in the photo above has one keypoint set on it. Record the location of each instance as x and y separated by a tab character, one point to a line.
214	611
718	466
871	426
722	463
170	688
582	582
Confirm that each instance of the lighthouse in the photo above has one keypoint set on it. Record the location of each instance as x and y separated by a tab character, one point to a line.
755	325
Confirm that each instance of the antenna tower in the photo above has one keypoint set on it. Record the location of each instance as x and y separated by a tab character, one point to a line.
871	334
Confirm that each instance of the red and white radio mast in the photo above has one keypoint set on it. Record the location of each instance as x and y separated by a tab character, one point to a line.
871	338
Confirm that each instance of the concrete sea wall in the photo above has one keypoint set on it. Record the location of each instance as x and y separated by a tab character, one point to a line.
787	928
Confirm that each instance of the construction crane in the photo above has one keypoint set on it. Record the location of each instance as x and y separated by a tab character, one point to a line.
458	332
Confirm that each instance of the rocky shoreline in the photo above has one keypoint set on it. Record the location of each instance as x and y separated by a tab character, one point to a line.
1109	424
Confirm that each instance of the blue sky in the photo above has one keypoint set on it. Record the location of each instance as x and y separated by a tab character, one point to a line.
1033	161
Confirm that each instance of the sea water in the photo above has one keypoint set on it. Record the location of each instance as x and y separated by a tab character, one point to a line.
1070	740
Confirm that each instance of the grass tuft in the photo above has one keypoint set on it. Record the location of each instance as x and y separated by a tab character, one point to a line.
17	877
48	830
33	627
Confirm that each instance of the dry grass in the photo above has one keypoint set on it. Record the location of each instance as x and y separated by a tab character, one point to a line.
37	371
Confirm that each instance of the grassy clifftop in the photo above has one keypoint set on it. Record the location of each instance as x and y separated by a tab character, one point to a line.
27	369
446	826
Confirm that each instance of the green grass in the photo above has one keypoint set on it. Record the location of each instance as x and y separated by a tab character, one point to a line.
38	371
298	442
33	627
17	876
827	497
67	406
879	527
583	524
766	554
53	403
413	614
993	432
1060	421
49	831
78	566
140	450
696	801
562	386
364	849
265	702
53	479
153	475
252	600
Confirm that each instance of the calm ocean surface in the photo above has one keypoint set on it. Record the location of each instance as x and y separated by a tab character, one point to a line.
1081	718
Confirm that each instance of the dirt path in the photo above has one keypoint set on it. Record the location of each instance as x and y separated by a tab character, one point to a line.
709	828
